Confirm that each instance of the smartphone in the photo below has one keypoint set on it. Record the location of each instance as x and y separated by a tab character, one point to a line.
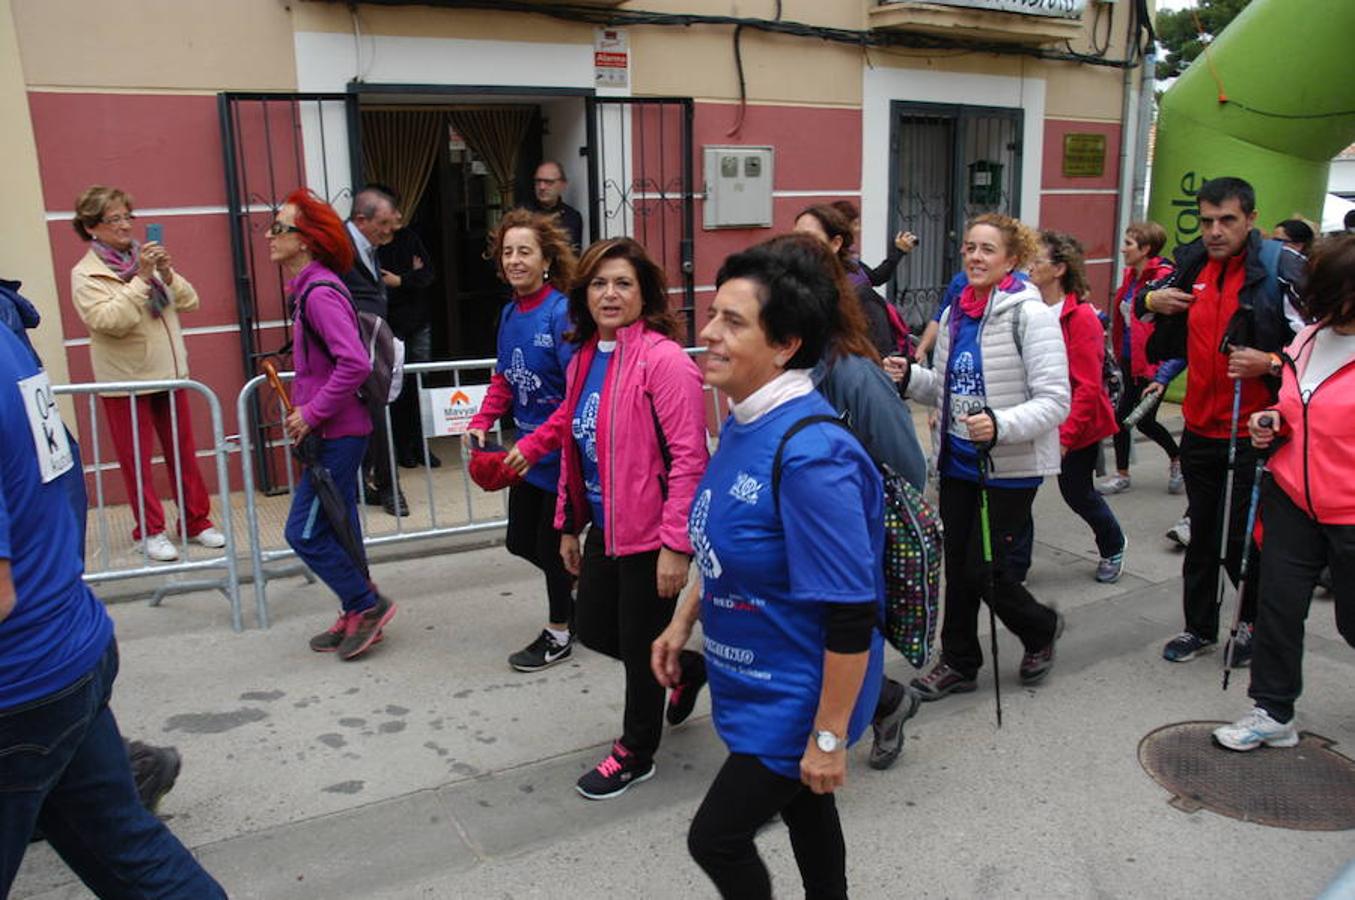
155	232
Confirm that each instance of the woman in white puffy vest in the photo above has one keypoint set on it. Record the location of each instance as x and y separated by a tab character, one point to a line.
1001	383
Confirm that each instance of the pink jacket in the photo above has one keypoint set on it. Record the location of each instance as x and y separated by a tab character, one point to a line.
1154	269
1314	465
651	443
1090	416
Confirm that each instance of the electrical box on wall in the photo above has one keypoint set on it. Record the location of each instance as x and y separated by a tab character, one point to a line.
738	187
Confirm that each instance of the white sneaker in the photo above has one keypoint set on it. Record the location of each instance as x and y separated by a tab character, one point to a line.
209	537
1180	532
1254	729
1116	484
1176	482
160	548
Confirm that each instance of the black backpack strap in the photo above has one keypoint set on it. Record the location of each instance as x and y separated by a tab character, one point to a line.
795	428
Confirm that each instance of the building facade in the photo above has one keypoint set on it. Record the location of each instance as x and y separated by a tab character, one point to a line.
208	113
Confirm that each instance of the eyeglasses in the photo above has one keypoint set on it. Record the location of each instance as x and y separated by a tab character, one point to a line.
546	180
120	219
278	229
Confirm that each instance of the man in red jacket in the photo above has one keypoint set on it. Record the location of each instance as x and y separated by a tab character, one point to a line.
1221	298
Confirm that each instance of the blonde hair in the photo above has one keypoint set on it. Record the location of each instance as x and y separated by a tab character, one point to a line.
1021	241
90	206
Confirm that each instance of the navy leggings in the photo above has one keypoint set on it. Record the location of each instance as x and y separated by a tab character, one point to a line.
311	535
1075	484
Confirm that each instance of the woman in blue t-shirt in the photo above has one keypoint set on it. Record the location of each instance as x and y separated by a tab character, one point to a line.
533	256
792	579
1001	383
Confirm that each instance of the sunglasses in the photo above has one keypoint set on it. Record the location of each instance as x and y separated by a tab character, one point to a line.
278	229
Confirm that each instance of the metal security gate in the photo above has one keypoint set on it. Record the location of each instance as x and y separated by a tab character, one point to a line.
948	163
640	184
273	144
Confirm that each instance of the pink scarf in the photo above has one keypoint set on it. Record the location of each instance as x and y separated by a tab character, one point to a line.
124	265
972	305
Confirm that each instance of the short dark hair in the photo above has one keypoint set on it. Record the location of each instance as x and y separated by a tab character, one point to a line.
1298	232
654	306
1147	234
797	294
1329	295
559	168
1066	249
1349	220
1219	190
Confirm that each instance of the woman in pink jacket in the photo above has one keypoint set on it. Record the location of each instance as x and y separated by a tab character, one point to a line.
632	434
1059	274
1308	501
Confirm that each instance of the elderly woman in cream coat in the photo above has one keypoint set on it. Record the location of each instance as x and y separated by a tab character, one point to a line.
129	296
1001	383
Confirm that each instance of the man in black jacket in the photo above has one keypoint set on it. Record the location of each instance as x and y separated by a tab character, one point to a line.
548	197
1228	294
371	225
407	272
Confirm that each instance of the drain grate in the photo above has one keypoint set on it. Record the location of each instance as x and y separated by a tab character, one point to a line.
1310	787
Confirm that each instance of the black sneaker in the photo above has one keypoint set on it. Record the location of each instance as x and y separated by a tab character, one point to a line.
682	698
888	741
155	770
615	774
364	628
1185	646
541	653
1036	665
941	681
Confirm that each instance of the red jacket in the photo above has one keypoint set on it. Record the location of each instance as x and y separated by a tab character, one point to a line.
1154	269
1314	465
1208	406
651	443
1090	416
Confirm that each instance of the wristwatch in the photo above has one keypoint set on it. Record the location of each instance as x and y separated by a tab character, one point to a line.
829	742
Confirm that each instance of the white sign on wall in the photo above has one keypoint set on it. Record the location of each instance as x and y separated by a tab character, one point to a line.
448	410
1064	9
611	58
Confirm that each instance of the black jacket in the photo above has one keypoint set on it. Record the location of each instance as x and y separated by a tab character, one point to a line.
1259	321
369	294
408	304
569	218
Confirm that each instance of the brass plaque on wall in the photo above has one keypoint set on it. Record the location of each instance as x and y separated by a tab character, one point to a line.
1084	155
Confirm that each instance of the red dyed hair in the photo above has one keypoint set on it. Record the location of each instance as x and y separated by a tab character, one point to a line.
322	230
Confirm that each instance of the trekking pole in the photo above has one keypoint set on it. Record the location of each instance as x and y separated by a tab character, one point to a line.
1262	456
987	541
1226	520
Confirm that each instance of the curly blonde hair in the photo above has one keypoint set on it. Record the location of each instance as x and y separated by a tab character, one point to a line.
1021	240
554	241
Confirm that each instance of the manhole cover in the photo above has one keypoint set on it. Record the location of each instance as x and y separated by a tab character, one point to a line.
1310	787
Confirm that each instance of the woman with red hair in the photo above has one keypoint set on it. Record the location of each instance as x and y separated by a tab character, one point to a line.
307	239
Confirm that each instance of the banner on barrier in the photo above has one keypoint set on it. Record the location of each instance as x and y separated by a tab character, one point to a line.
448	410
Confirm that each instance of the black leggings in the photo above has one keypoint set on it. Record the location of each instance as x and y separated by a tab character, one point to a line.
620	613
743	797
1149	426
532	536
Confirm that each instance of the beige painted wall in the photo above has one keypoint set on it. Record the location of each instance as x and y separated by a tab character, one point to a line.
25	253
423	21
179	45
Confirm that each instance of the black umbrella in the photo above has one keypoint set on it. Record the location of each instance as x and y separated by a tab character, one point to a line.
307	452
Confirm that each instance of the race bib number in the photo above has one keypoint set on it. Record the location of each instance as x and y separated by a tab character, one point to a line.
49	433
960	407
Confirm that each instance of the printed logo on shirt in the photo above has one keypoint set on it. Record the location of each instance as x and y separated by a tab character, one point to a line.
706	561
521	377
741	655
967	393
586	427
546	340
49	433
738	604
745	489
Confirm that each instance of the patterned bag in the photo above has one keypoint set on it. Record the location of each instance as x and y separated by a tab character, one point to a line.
912	557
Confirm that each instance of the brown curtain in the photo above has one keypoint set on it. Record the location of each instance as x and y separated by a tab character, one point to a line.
399	148
495	134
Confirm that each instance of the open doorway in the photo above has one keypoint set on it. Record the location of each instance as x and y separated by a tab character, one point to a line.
486	151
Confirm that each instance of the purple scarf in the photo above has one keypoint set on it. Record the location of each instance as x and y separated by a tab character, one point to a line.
124	265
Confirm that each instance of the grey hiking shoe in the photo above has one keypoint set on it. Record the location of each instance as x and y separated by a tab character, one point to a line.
888	740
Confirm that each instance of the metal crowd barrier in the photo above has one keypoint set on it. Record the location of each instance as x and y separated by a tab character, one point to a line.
261	554
112	569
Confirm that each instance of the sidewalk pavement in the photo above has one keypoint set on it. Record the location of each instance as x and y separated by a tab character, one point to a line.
430	769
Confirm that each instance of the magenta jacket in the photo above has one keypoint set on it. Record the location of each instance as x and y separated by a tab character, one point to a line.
328	377
1314	465
651	442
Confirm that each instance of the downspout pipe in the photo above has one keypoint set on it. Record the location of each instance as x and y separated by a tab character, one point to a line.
1232	114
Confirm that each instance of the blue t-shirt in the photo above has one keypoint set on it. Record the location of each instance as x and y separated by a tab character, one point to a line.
967	394
768	580
532	356
57	630
585	426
